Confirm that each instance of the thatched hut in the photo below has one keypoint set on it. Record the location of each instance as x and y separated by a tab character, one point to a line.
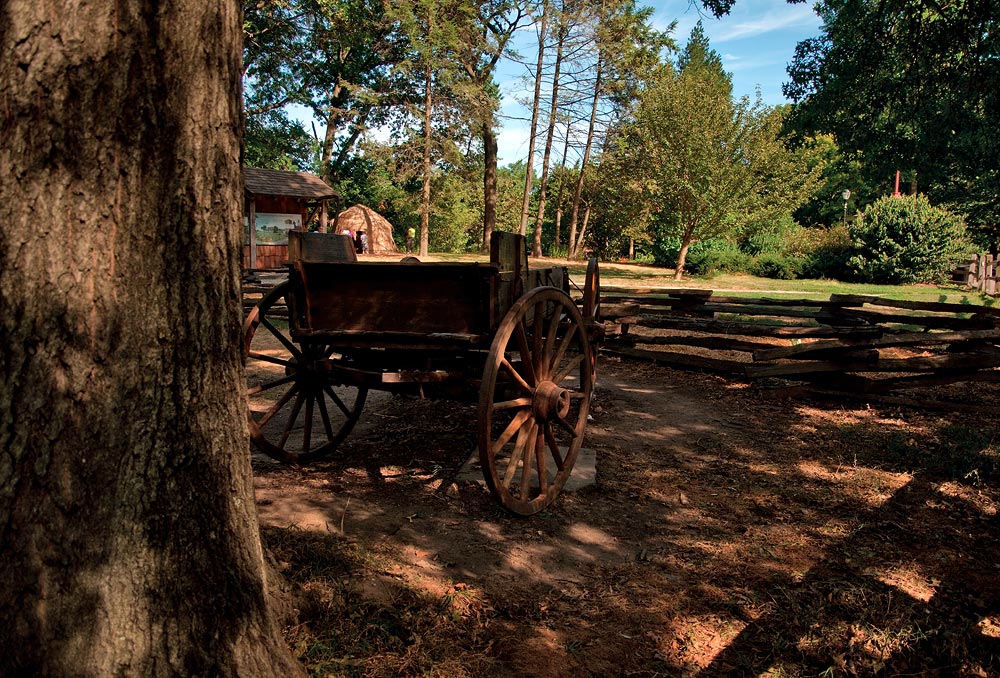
378	228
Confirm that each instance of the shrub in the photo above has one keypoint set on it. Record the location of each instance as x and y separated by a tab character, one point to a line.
776	267
826	252
709	257
778	236
905	240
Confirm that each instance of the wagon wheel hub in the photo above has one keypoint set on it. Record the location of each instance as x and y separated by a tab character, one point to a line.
550	401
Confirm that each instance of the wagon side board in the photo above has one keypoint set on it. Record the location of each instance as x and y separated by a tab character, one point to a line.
371	299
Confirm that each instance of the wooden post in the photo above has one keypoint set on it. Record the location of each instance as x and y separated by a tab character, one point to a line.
990	276
322	217
981	272
252	221
970	277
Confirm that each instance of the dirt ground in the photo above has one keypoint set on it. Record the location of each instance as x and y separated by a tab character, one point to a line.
729	533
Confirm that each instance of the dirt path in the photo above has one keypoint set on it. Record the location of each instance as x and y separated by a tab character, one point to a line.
727	534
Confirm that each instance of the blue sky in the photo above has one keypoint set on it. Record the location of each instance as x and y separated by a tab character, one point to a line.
756	41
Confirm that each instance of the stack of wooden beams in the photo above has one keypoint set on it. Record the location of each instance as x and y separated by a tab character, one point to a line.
860	343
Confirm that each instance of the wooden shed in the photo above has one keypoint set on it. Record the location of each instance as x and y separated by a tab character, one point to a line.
276	202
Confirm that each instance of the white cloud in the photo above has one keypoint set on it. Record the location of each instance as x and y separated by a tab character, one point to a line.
786	17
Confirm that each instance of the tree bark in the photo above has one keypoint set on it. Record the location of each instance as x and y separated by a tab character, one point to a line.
682	255
127	517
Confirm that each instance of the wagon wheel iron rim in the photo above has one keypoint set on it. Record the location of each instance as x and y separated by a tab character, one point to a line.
295	411
534	400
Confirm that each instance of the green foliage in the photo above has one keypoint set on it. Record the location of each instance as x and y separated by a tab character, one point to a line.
705	257
910	85
776	266
774	236
826	253
703	166
272	141
906	240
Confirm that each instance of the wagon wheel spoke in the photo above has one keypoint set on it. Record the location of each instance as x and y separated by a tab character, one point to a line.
566	425
518	453
268	386
561	352
516	375
325	416
338	402
511	404
277	406
568	369
550	339
257	355
286	342
511	429
291	419
536	344
525	351
553	445
528	461
543	477
307	434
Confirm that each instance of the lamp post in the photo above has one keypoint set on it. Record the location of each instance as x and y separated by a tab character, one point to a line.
846	195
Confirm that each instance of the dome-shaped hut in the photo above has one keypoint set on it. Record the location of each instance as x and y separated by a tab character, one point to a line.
378	228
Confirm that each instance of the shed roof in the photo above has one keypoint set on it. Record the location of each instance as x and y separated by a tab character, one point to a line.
279	182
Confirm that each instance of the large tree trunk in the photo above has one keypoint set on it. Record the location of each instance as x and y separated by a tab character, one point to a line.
127	518
529	170
682	255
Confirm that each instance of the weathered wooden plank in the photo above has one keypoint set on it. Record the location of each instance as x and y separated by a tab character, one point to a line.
614	311
951	361
771	301
753	329
674	359
657	291
762	311
980	322
389	297
909	339
720	343
939	306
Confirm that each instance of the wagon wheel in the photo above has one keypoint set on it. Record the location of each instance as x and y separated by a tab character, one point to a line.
297	411
534	400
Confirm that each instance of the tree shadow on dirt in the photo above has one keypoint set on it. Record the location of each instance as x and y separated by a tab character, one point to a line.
728	535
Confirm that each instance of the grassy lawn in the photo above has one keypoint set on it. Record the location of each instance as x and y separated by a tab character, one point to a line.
646	275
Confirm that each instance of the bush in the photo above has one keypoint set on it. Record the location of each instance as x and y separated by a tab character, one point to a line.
905	240
709	257
826	252
776	267
779	236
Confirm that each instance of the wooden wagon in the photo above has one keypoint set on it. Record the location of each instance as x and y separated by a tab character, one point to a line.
503	333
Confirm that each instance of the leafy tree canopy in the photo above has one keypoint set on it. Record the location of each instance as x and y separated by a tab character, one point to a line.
911	85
